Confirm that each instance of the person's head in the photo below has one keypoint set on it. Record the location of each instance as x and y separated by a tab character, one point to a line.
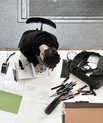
50	57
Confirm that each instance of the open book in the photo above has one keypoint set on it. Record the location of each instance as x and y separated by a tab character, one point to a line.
26	70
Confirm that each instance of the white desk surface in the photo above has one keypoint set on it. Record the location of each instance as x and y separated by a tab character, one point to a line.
31	110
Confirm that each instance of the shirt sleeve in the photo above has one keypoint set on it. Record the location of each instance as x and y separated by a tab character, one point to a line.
25	48
31	58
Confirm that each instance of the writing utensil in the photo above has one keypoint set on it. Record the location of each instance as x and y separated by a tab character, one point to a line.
59	93
87	94
68	85
94	93
14	73
62	98
76	92
79	89
54	103
56	87
60	84
63	86
65	80
82	102
21	65
86	91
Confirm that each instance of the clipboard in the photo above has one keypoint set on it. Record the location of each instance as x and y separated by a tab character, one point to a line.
83	113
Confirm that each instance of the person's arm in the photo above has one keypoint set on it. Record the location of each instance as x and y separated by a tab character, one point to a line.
26	49
53	41
31	58
21	40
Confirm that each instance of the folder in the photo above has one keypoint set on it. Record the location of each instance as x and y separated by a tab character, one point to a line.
83	113
10	102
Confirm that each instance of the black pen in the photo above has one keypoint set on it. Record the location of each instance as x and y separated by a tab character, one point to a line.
78	92
14	73
60	84
82	102
65	80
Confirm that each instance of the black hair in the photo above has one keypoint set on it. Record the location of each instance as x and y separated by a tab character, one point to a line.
51	57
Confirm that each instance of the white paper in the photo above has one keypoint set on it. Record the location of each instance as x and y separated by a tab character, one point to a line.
9	75
93	59
40	75
13	87
6	117
36	94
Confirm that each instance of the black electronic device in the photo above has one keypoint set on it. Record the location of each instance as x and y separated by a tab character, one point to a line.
5	65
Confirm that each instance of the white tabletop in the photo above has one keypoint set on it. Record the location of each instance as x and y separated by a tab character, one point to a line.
36	93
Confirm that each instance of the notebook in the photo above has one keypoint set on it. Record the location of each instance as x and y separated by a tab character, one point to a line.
27	71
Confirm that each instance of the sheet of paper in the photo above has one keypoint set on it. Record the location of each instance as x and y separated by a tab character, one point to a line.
36	94
93	59
40	75
13	87
9	102
9	75
10	85
6	117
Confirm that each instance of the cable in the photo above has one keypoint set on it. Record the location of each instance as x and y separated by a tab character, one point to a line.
9	57
5	65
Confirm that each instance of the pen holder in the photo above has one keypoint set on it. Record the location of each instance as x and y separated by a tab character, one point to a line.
52	105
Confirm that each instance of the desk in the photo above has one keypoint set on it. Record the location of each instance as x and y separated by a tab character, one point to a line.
31	111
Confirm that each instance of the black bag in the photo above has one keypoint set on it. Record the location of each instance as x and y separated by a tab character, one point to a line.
77	68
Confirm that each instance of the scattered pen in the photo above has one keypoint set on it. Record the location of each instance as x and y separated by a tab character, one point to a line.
86	91
14	73
82	102
65	80
75	93
64	88
56	87
78	90
60	84
93	92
